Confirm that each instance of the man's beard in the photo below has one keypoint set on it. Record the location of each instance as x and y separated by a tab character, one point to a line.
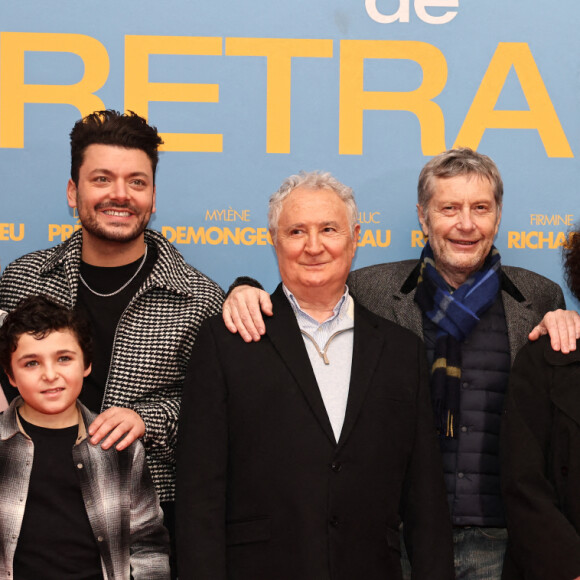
112	232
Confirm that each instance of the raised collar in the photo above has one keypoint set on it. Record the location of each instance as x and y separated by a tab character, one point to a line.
506	284
343	308
11	425
170	270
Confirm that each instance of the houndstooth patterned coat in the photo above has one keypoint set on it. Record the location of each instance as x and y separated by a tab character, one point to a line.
153	340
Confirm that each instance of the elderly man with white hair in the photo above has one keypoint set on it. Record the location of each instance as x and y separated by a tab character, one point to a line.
300	455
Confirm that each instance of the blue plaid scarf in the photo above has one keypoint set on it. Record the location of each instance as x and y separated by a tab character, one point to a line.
455	315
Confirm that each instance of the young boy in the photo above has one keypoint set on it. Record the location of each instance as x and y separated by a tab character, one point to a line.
68	509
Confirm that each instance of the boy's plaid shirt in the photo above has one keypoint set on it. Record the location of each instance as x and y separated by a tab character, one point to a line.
119	497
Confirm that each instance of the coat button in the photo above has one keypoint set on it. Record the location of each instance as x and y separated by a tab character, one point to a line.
336	466
334	522
460	475
463	429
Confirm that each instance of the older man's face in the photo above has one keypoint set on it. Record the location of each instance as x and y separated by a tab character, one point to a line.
314	245
461	221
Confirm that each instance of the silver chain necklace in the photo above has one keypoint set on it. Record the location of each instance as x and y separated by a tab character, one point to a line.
123	286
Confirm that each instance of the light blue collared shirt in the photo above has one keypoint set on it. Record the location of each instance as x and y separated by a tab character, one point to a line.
329	346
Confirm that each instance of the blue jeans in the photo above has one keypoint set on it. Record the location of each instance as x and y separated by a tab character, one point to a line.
478	553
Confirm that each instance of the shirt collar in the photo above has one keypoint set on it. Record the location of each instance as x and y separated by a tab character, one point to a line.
16	425
343	312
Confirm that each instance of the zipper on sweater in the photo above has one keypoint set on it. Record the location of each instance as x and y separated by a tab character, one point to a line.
322	353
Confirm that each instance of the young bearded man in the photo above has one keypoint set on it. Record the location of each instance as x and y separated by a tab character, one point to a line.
144	302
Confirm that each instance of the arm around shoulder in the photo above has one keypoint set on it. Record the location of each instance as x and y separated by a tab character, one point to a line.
547	299
563	326
242	311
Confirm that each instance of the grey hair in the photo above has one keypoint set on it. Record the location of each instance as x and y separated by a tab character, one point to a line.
314	180
454	162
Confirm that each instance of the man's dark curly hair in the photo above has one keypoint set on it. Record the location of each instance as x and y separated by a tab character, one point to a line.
112	128
39	316
571	254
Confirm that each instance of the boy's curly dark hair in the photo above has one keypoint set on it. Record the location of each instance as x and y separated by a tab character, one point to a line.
39	316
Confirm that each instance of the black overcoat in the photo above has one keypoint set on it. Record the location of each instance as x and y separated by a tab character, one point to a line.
540	454
264	489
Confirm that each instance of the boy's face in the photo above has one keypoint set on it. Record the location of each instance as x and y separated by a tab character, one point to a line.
49	374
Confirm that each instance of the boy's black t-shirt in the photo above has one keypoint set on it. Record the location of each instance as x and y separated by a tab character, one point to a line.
56	541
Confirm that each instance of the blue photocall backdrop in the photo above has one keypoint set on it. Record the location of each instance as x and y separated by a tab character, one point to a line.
247	92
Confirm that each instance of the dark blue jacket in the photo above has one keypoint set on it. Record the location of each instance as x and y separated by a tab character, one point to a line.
471	460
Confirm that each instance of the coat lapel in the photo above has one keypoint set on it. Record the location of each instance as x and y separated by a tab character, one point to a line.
283	331
519	312
519	316
367	349
406	311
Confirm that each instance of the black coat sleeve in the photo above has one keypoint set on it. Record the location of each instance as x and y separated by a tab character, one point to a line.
202	465
543	543
426	520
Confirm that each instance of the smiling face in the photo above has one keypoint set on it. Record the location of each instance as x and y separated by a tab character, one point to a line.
49	374
461	222
115	196
314	243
